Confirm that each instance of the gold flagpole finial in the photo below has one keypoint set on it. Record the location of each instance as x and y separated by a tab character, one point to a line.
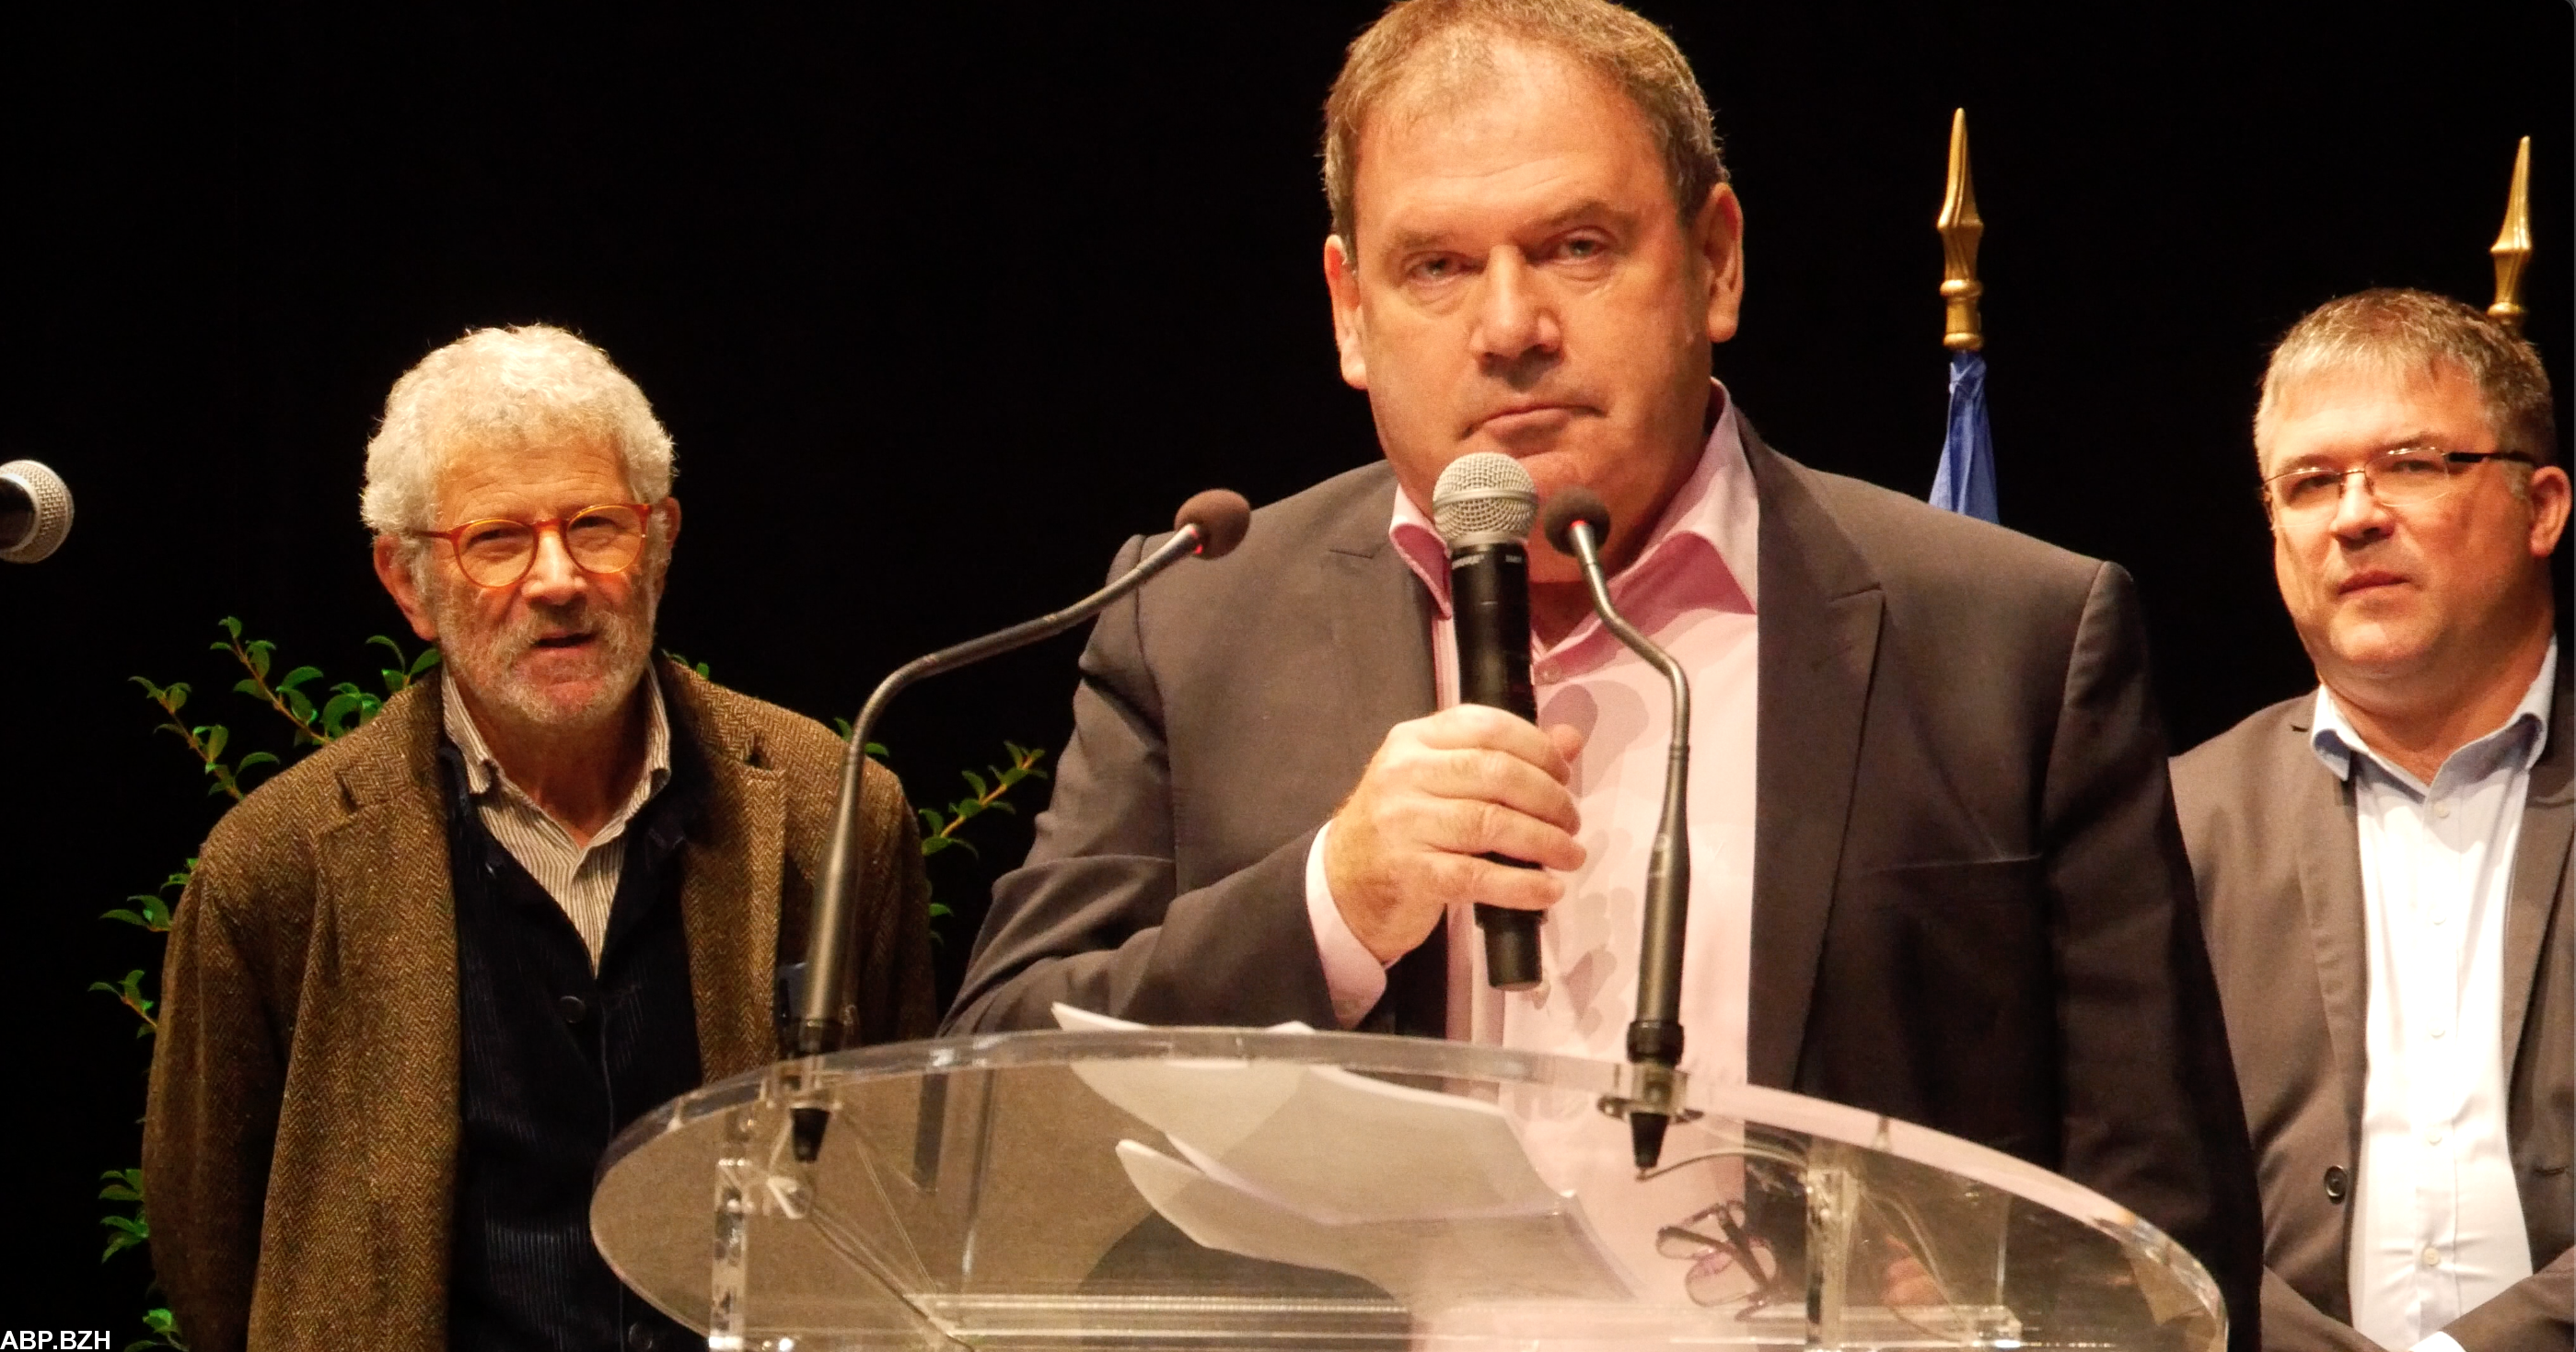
2513	245
1960	230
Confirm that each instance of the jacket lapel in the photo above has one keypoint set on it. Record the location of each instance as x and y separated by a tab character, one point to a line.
2539	859
1380	618
1818	624
387	923
2330	890
729	884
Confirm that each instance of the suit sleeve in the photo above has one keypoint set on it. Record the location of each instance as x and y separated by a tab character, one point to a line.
1096	917
2536	1314
2151	1115
218	1074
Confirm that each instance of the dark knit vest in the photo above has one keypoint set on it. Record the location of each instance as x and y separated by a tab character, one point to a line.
553	1060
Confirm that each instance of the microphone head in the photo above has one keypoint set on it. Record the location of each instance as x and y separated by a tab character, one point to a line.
1222	517
29	533
1482	499
1570	505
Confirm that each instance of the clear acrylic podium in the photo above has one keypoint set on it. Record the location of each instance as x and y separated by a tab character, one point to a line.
1176	1188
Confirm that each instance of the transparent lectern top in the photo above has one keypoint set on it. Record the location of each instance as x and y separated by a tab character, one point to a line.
1203	1188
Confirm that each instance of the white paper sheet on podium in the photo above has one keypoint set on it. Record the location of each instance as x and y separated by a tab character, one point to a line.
1429	1196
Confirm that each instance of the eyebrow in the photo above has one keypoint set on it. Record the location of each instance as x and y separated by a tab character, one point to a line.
1411	240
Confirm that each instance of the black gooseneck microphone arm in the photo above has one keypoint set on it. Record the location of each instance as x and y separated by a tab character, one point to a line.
820	1027
1210	524
1655	1036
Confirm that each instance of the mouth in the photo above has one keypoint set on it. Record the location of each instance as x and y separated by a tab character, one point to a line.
560	642
1521	419
2371	580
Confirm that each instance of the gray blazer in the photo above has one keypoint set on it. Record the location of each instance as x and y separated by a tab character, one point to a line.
2278	860
1971	905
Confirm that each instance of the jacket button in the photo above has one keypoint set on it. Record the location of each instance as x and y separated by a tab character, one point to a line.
2338	1183
574	1010
640	1336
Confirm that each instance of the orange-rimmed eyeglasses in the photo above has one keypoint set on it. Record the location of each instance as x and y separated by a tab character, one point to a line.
498	551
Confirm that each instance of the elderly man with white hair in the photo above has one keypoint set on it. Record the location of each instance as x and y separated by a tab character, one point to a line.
420	979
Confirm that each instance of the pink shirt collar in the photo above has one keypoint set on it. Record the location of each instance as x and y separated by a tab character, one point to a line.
1702	555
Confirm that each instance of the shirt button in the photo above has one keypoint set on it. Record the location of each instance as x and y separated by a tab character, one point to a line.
2438	1030
573	1008
2432	1136
2437	913
2441	809
2338	1183
2431	1257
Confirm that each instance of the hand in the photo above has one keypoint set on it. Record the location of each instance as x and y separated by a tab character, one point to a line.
1441	791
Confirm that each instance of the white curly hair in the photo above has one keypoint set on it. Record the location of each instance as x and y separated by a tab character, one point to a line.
498	387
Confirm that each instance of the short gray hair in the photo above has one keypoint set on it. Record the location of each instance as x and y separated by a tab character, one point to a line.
1451	40
503	386
2405	332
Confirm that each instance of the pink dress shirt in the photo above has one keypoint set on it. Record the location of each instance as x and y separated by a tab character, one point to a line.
1691	589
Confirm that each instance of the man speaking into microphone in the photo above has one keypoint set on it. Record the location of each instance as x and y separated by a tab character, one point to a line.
1936	868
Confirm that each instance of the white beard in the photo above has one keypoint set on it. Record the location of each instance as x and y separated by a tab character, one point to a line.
486	663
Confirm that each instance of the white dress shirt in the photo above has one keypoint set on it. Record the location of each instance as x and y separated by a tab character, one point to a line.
2437	1225
581	877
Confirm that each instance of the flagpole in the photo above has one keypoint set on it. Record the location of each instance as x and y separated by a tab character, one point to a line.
1961	229
2512	248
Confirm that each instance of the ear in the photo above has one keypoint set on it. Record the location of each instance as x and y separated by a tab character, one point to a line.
392	571
669	507
1718	235
2548	493
1341	280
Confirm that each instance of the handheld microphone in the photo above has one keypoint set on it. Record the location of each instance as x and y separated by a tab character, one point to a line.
1577	522
1483	505
35	511
1209	525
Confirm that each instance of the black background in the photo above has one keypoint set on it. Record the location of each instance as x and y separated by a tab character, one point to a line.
943	302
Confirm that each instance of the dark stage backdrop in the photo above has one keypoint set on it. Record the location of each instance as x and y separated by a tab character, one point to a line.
944	302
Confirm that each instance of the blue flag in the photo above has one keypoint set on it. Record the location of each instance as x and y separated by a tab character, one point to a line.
1965	482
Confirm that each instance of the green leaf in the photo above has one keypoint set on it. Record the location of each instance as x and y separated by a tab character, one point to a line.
976	781
298	705
998	805
231	626
428	658
876	749
335	715
1017	752
129	917
931	822
259	650
298	677
149	689
931	845
215	737
967	808
937	910
175	697
247	686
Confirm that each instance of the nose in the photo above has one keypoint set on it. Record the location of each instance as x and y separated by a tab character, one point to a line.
1514	320
2359	515
552	576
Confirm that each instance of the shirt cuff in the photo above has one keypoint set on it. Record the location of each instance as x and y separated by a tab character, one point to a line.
1351	972
2437	1342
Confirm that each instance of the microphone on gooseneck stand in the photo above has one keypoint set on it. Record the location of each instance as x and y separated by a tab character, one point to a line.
1209	525
1483	506
1577	524
35	511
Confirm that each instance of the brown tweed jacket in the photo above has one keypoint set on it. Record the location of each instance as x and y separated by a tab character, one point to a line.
300	1148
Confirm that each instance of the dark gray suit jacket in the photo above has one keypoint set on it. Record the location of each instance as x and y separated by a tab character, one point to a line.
1971	905
2278	860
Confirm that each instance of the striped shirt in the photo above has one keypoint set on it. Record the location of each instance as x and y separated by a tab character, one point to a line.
581	878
